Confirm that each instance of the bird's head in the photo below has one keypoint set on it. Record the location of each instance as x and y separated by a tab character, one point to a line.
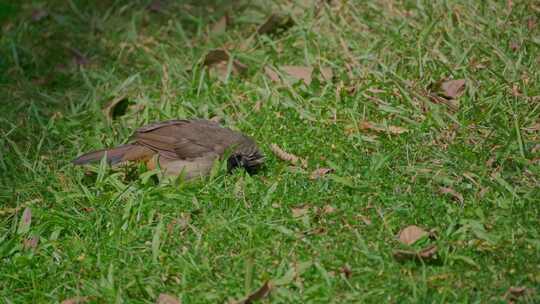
251	159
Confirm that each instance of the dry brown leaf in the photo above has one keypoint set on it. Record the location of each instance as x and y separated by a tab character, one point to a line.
291	158
346	271
535	127
300	211
298	72
364	219
366	125
410	234
26	220
221	25
217	61
116	107
514	293
447	92
167	299
452	89
318	173
31	243
76	300
274	23
327	74
427	253
216	56
456	195
271	74
260	294
327	209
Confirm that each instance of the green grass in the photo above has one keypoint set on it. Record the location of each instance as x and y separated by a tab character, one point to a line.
114	238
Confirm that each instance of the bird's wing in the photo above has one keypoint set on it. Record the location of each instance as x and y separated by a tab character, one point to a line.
186	139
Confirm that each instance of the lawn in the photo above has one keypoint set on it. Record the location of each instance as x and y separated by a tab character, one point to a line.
393	147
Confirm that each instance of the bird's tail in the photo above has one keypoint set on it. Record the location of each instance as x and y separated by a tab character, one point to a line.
115	155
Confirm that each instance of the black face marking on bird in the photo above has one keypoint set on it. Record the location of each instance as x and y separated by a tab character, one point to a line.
251	161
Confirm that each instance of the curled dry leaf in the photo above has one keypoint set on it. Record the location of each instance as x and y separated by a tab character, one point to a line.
346	271
291	158
452	89
167	299
327	74
116	107
410	234
425	254
31	243
318	173
327	209
25	221
298	72
271	73
300	211
456	195
275	23
76	300
260	294
513	293
221	25
366	125
447	92
218	61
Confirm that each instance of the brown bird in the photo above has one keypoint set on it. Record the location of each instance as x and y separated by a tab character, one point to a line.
187	147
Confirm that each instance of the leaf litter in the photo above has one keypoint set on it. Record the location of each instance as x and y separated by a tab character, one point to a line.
410	234
447	92
217	61
167	299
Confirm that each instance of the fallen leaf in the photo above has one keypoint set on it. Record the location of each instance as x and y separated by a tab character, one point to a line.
220	26
514	293
298	72
452	89
293	159
346	271
366	125
327	209
116	107
447	92
25	221
514	46
456	195
31	243
167	299
533	128
39	14
217	62
364	219
216	56
318	173
271	74
76	300
300	211
260	294
410	234
427	253
275	23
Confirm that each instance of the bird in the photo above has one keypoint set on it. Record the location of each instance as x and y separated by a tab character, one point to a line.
187	147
